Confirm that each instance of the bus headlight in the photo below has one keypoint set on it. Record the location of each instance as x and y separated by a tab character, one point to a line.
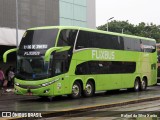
17	84
49	83
44	84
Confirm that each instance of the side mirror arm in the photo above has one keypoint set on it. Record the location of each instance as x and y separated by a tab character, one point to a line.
49	52
56	49
8	52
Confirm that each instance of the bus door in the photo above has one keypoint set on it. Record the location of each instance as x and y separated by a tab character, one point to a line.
59	68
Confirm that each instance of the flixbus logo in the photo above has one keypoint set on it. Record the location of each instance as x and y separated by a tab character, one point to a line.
103	55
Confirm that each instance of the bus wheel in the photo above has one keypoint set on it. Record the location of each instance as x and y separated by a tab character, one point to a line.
136	85
76	90
144	84
89	89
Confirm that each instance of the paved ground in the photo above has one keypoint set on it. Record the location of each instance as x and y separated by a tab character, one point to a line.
11	102
25	103
139	111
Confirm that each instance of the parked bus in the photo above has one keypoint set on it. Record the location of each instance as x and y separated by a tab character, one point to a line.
77	61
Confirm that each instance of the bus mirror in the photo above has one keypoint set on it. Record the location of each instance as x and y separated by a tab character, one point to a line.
49	52
8	52
65	48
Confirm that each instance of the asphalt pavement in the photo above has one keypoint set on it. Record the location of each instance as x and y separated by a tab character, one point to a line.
11	102
34	103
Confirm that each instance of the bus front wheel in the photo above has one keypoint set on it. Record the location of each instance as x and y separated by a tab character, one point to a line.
76	90
89	89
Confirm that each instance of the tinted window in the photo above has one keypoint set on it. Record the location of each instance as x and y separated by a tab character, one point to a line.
98	40
106	41
38	39
83	40
120	44
148	46
82	69
67	37
137	45
128	44
105	67
60	62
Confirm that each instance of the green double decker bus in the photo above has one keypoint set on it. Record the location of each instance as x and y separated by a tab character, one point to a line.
75	61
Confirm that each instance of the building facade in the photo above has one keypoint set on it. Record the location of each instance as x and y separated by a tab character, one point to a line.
34	13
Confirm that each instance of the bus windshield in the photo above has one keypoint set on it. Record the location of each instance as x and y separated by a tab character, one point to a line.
32	68
34	40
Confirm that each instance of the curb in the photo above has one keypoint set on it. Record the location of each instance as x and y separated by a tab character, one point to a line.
102	106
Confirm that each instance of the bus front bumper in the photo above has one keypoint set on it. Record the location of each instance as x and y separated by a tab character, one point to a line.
29	90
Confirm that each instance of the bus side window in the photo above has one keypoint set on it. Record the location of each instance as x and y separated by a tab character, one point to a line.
82	69
79	70
67	37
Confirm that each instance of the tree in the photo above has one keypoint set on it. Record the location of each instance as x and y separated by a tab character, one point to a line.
142	29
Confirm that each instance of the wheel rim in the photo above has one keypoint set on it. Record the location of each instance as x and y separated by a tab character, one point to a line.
143	84
88	89
136	85
75	90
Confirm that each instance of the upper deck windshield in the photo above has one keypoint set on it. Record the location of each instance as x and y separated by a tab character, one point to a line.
35	40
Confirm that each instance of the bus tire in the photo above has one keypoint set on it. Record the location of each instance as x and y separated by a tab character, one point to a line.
89	89
144	84
76	90
136	85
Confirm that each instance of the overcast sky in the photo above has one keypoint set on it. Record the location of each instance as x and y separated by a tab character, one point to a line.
135	11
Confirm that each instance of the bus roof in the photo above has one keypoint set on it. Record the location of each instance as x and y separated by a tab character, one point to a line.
92	30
